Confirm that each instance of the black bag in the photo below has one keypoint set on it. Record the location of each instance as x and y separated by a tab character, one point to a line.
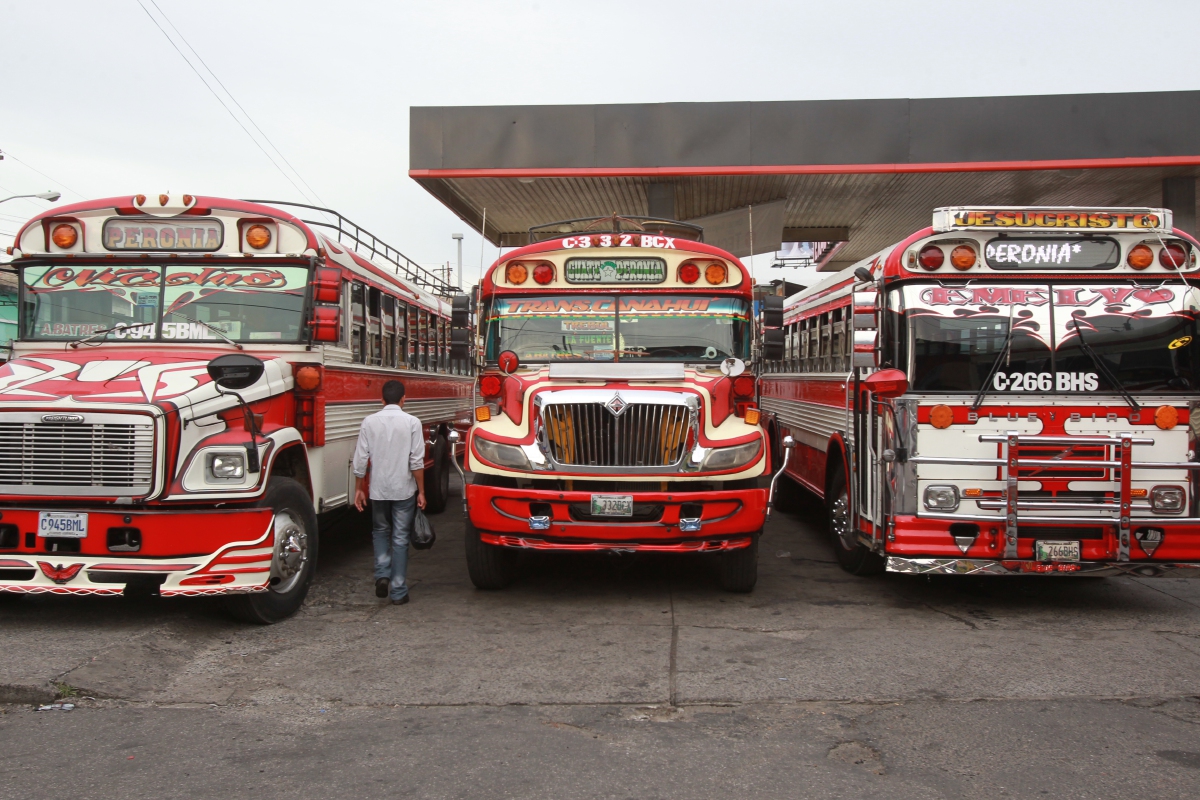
423	536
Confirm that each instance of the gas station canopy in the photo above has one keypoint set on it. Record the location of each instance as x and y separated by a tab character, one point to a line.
863	172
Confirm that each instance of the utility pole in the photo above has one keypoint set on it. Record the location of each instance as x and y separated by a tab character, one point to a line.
458	239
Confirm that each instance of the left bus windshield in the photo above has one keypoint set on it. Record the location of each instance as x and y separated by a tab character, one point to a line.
607	328
174	303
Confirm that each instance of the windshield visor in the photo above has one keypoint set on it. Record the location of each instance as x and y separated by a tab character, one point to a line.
244	303
1146	337
607	328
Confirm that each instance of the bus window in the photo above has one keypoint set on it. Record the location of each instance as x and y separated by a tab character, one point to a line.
388	333
413	347
357	322
443	346
373	326
835	341
401	334
422	339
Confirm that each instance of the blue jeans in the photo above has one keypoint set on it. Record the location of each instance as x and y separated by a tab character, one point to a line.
393	524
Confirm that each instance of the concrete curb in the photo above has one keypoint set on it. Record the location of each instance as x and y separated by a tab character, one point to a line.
24	694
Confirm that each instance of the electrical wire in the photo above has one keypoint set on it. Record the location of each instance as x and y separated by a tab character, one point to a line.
9	154
200	58
223	103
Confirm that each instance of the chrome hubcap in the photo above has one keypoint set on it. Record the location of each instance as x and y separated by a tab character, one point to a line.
291	551
839	522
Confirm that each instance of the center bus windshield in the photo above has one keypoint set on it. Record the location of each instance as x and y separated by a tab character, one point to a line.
1145	337
644	327
147	301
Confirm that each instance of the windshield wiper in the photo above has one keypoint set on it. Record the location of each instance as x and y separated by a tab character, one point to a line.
215	330
987	382
1100	365
106	331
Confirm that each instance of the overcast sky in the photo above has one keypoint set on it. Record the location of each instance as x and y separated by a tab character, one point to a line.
97	98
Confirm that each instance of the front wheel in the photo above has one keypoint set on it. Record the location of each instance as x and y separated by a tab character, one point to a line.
437	482
854	557
490	566
738	569
293	557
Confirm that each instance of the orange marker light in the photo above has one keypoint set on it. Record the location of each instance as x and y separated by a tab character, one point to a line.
258	236
753	415
516	273
962	257
308	378
64	236
972	492
482	414
1138	492
1166	417
1140	257
941	416
715	273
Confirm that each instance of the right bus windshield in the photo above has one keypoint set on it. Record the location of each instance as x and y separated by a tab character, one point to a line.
1038	338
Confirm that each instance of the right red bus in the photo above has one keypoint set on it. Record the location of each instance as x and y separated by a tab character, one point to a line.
1008	391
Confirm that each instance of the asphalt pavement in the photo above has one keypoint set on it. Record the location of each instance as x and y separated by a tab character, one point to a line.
613	676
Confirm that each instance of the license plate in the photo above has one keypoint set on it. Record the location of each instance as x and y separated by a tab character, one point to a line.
612	505
62	524
1056	551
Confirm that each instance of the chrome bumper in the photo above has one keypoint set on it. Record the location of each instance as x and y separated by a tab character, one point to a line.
979	566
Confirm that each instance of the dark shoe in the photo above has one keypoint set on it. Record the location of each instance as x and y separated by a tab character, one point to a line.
381	587
401	601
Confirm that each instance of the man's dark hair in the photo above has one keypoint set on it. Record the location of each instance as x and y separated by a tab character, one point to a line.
393	392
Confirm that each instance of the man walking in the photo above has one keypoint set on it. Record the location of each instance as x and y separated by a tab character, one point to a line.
390	441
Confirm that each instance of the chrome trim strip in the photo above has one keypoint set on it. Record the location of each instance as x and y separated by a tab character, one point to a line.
976	566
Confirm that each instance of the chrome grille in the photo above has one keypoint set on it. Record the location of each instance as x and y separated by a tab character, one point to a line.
88	458
589	435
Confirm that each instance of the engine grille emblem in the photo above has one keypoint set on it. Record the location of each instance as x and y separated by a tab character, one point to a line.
616	405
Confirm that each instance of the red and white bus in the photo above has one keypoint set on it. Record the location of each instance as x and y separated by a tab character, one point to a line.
186	389
618	413
1008	391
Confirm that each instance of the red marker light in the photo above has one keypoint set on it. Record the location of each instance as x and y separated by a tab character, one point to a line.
743	386
543	273
489	385
931	257
689	272
1173	255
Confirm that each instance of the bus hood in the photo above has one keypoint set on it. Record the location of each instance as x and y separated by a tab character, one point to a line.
116	377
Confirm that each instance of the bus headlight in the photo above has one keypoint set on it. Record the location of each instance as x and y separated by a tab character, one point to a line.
1167	499
941	498
723	458
502	455
227	466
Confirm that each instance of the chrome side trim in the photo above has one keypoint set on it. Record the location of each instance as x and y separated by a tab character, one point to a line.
975	566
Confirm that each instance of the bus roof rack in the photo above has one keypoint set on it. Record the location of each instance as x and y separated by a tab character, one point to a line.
616	223
369	245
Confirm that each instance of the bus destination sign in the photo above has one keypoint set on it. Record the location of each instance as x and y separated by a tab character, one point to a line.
1052	253
1058	219
603	271
198	233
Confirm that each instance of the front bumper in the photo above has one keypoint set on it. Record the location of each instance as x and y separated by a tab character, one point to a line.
979	566
727	520
182	552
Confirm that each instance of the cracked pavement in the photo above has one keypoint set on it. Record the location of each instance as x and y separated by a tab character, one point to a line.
601	676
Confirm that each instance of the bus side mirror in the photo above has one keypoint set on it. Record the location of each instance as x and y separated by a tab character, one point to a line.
236	371
886	384
461	309
866	354
326	323
327	285
773	342
460	343
772	311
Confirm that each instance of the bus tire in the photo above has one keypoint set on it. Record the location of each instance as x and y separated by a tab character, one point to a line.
738	569
437	482
490	566
293	558
853	556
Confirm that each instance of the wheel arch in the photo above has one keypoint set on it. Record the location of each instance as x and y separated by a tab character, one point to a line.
292	462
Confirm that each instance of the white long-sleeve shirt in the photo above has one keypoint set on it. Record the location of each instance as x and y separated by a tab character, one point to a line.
391	441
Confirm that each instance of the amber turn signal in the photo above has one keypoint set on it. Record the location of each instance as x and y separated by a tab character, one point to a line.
715	273
482	413
962	257
308	378
753	415
941	416
1140	257
516	273
1138	492
258	236
64	236
972	492
1166	417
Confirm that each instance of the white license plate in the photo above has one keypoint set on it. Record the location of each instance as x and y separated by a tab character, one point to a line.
612	505
62	524
1056	551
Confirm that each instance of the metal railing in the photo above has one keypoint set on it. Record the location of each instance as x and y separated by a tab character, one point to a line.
369	245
